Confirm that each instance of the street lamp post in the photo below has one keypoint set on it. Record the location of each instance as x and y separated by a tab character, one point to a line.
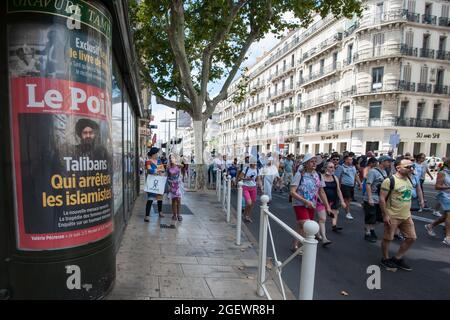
169	121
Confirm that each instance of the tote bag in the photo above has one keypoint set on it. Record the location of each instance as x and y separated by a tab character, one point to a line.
155	184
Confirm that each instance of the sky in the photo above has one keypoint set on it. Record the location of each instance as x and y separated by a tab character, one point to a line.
161	112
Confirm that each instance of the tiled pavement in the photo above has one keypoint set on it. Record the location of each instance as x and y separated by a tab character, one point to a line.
197	260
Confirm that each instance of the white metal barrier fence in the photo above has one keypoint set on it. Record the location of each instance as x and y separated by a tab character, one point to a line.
309	249
239	213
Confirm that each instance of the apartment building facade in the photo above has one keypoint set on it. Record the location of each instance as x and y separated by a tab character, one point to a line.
350	84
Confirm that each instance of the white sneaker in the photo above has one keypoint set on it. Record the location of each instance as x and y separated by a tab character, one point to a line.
437	214
349	216
420	210
446	241
430	230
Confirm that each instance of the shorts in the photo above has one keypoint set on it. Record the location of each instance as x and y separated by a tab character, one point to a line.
372	214
249	193
444	202
303	213
347	191
406	227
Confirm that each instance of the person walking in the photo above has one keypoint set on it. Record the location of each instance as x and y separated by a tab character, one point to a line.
251	179
443	185
233	171
306	188
174	184
348	176
157	170
422	170
372	211
395	204
288	174
335	200
270	173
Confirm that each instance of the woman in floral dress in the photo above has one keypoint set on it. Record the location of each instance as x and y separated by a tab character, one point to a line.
174	187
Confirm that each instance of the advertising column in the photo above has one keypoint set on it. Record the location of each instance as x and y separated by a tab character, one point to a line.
59	62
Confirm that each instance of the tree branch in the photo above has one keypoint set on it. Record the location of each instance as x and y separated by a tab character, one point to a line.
254	33
218	37
176	39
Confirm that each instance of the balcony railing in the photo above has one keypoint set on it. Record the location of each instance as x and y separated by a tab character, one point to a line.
444	21
406	86
376	52
408	51
377	88
319	48
422	123
424	87
429	19
280	93
349	92
311	103
374	19
411	16
442	55
440	89
322	72
281	112
426	53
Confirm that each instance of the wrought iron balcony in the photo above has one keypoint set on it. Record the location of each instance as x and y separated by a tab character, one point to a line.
424	87
422	123
442	55
406	86
440	89
429	19
426	53
408	51
444	21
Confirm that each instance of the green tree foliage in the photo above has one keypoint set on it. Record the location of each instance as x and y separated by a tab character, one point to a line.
185	46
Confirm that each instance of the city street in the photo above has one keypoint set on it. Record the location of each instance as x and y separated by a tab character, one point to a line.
342	265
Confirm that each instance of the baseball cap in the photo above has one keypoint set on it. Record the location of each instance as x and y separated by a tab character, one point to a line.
385	158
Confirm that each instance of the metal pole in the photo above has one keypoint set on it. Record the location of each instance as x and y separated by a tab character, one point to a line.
219	183
308	267
229	199
224	190
262	256
239	214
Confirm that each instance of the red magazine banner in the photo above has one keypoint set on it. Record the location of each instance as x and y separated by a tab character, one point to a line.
71	189
60	104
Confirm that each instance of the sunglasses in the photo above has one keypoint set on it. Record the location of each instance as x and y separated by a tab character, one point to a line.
408	167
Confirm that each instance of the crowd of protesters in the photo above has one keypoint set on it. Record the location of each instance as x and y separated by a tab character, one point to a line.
320	185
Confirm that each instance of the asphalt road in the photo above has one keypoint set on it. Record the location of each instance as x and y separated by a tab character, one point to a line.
342	266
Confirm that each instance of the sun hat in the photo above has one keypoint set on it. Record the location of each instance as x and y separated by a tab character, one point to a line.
153	151
307	157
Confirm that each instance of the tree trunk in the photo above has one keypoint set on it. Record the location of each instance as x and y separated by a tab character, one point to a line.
200	166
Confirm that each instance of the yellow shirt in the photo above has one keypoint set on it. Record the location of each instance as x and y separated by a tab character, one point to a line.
398	205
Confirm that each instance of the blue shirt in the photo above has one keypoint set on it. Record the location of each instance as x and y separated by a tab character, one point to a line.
288	164
232	171
346	175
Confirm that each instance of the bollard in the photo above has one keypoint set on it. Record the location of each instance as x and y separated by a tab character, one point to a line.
239	214
262	256
229	199
224	190
219	183
308	267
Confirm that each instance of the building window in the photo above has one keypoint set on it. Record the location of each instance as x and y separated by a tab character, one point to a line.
420	108
416	149
375	110
349	53
346	115
433	149
403	109
377	78
284	65
436	111
308	120
291	85
322	65
292	61
331	116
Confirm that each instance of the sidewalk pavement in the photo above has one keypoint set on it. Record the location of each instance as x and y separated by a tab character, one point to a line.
197	260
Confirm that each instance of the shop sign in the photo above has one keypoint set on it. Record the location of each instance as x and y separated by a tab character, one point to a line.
334	136
421	135
60	81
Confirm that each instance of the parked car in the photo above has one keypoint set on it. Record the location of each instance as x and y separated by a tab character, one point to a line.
434	162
